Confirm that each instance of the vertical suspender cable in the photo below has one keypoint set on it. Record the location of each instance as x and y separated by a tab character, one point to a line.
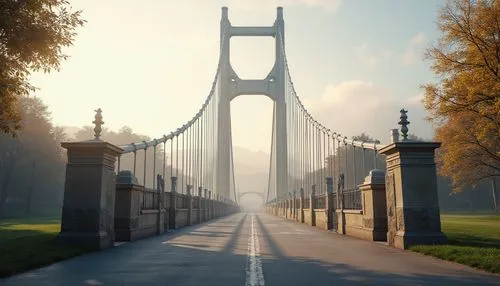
346	175
201	150
135	159
164	158
183	174
154	165
172	156
354	167
145	164
364	164
177	155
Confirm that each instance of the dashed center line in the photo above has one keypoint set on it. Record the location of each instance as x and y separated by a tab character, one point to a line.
255	275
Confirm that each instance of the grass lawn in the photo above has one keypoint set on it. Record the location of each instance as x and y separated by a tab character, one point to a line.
473	240
30	243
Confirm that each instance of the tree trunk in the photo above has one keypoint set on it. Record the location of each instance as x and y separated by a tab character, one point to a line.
30	192
4	191
496	196
3	194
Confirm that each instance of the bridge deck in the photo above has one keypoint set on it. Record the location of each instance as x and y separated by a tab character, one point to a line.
248	249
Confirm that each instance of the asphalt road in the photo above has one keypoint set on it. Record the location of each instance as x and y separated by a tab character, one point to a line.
253	249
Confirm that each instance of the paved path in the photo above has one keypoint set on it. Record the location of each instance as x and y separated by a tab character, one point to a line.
249	249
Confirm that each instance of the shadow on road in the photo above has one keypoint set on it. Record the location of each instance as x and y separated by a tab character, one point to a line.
192	263
279	269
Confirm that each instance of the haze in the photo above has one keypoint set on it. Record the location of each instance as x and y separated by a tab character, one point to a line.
150	66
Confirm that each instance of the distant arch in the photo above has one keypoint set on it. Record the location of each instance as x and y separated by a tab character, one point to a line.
260	194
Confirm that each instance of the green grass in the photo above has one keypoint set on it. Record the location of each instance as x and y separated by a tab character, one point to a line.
473	240
30	243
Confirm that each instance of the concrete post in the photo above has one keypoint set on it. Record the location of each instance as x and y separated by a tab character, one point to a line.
173	203
374	206
89	194
411	194
294	205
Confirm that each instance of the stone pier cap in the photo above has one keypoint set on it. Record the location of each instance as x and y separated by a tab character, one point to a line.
376	176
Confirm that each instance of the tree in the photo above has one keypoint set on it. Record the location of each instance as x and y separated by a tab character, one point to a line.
414	137
365	138
32	163
32	34
465	102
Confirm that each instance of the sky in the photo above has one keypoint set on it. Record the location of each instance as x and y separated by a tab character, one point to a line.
149	64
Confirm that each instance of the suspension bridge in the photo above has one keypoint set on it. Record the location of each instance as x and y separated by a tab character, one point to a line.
323	189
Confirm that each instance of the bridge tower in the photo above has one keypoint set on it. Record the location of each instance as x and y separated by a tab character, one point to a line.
230	86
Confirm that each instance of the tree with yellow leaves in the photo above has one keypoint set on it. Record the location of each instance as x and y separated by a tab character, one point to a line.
465	102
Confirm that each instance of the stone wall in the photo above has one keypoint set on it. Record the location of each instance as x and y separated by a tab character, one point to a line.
321	218
323	211
309	218
181	218
139	214
354	223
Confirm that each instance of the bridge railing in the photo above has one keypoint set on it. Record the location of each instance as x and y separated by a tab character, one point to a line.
321	201
352	199
365	206
150	199
307	201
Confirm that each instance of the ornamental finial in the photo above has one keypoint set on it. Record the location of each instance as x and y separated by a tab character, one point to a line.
404	123
98	123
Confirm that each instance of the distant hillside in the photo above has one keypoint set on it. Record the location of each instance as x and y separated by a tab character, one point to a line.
247	161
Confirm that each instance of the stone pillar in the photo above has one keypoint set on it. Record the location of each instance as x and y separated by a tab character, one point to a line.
294	205
127	207
301	210
200	191
340	205
374	206
173	203
287	203
190	205
411	193
209	206
89	194
205	205
330	208
160	188
312	205
217	206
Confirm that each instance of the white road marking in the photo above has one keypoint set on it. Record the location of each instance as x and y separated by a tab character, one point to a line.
92	282
255	275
